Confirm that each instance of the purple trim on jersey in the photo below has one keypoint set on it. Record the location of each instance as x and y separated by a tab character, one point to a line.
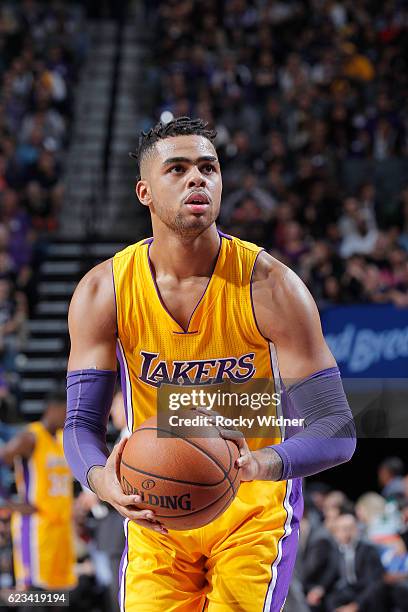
26	549
122	572
279	584
123	383
147	241
26	529
26	476
224	235
252	299
199	301
114	297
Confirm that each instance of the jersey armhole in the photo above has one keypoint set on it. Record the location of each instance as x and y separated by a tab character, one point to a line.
115	300
251	297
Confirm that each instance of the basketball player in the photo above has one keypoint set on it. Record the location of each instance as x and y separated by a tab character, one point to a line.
42	532
191	306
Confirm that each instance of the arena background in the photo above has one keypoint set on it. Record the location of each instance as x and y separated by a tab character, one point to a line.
309	102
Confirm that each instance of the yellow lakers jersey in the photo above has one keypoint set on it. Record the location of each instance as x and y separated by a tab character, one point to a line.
43	541
221	345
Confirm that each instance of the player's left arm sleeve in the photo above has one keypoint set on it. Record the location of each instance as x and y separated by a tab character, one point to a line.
314	386
329	437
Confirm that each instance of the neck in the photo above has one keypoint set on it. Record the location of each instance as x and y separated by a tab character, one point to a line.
49	426
185	256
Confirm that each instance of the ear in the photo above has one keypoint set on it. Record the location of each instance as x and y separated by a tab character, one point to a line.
143	192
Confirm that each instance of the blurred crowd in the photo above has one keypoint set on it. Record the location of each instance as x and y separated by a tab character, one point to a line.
42	45
309	100
354	556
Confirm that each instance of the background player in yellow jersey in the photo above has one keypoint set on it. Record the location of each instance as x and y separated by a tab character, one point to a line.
165	305
42	536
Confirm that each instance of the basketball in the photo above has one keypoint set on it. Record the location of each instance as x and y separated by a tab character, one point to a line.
187	482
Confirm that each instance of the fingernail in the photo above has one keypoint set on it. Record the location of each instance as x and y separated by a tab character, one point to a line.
137	499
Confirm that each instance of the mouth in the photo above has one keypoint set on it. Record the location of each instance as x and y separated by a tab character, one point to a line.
197	201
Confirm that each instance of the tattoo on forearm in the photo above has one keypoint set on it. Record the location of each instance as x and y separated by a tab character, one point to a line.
272	464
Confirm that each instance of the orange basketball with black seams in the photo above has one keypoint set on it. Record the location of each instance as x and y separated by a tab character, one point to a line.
187	482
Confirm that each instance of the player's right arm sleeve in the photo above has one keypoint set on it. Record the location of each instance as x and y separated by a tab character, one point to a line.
89	400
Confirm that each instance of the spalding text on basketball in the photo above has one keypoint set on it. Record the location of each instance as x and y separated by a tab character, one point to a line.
171	502
156	372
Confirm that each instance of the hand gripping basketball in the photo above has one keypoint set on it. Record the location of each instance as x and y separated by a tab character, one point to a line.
246	462
106	485
187	478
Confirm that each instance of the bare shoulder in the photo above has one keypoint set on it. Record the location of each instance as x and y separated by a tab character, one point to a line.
281	299
27	440
287	315
94	297
92	321
97	281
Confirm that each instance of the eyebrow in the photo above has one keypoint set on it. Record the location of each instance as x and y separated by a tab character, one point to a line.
177	160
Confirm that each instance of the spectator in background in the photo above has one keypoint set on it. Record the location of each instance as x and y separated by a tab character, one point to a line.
18	223
359	582
316	562
403	219
395	561
13	314
390	478
249	189
372	513
358	229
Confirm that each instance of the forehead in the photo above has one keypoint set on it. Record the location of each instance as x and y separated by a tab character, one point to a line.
191	147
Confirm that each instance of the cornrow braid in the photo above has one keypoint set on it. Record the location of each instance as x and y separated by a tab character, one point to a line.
182	126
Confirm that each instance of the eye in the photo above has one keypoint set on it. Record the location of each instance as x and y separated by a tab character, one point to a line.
177	169
209	168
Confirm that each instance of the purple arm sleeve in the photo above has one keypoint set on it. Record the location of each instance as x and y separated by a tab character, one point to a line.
329	437
89	400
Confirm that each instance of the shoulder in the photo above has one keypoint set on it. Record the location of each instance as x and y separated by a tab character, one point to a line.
28	438
272	273
97	283
287	315
94	295
280	294
97	280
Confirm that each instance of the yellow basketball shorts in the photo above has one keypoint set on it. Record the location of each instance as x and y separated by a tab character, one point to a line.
241	561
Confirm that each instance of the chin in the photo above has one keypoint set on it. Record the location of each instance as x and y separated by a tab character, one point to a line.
192	225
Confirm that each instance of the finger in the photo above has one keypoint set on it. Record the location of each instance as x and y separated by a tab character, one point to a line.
243	460
231	434
118	450
208	413
135	514
126	500
159	528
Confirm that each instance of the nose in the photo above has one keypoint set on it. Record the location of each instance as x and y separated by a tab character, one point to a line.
195	178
